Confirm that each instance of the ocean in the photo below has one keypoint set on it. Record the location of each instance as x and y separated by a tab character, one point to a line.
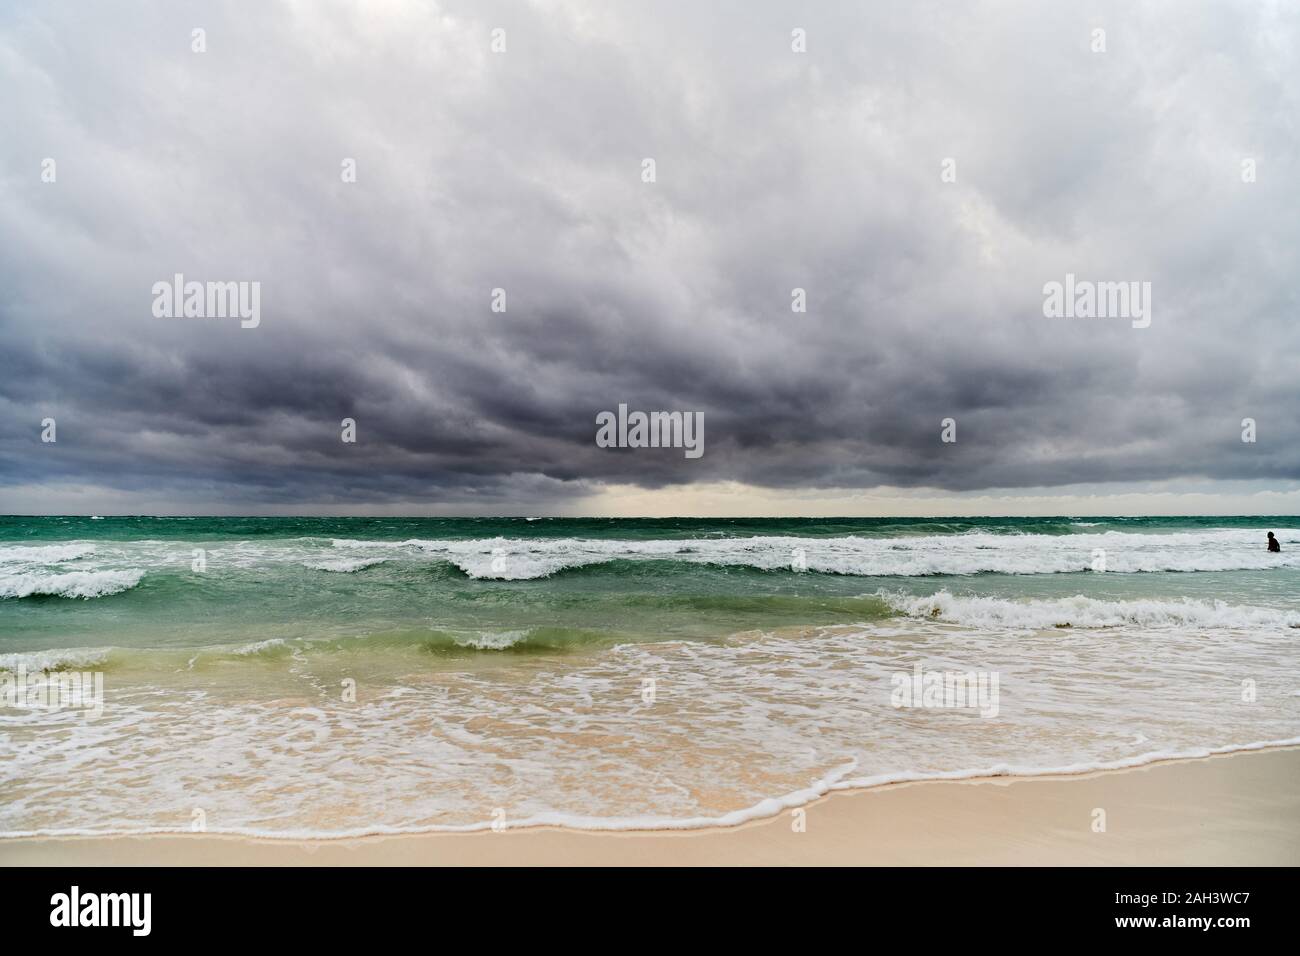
343	676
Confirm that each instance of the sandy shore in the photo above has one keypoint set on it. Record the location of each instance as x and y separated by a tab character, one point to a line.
1239	809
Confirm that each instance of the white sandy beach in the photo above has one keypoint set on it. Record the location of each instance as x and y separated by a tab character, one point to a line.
1239	810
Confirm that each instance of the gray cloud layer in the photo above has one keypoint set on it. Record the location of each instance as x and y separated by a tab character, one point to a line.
522	171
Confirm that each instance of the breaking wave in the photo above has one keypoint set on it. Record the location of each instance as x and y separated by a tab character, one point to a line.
1085	612
56	660
72	584
962	554
343	565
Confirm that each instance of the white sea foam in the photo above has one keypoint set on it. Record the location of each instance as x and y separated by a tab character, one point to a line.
55	660
1080	611
837	781
257	648
737	729
46	570
530	558
343	565
44	553
961	554
492	640
71	584
375	545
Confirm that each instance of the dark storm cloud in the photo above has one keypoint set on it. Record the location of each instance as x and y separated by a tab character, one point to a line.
521	171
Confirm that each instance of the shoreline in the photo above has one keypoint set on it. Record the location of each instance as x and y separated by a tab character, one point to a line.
1236	808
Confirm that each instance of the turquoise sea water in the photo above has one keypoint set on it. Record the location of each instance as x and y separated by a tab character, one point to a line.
343	675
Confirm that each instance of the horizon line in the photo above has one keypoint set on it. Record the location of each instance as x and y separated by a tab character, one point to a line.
597	517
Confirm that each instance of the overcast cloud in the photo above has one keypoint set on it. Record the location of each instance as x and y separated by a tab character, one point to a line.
522	170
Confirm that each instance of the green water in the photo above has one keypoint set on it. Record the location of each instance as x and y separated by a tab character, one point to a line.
258	582
356	675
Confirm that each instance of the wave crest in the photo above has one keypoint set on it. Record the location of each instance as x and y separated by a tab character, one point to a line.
45	553
61	659
72	584
921	555
343	565
1080	611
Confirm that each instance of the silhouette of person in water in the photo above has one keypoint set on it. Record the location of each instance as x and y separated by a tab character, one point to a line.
1273	544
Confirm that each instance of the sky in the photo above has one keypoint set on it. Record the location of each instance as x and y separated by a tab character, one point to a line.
921	171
